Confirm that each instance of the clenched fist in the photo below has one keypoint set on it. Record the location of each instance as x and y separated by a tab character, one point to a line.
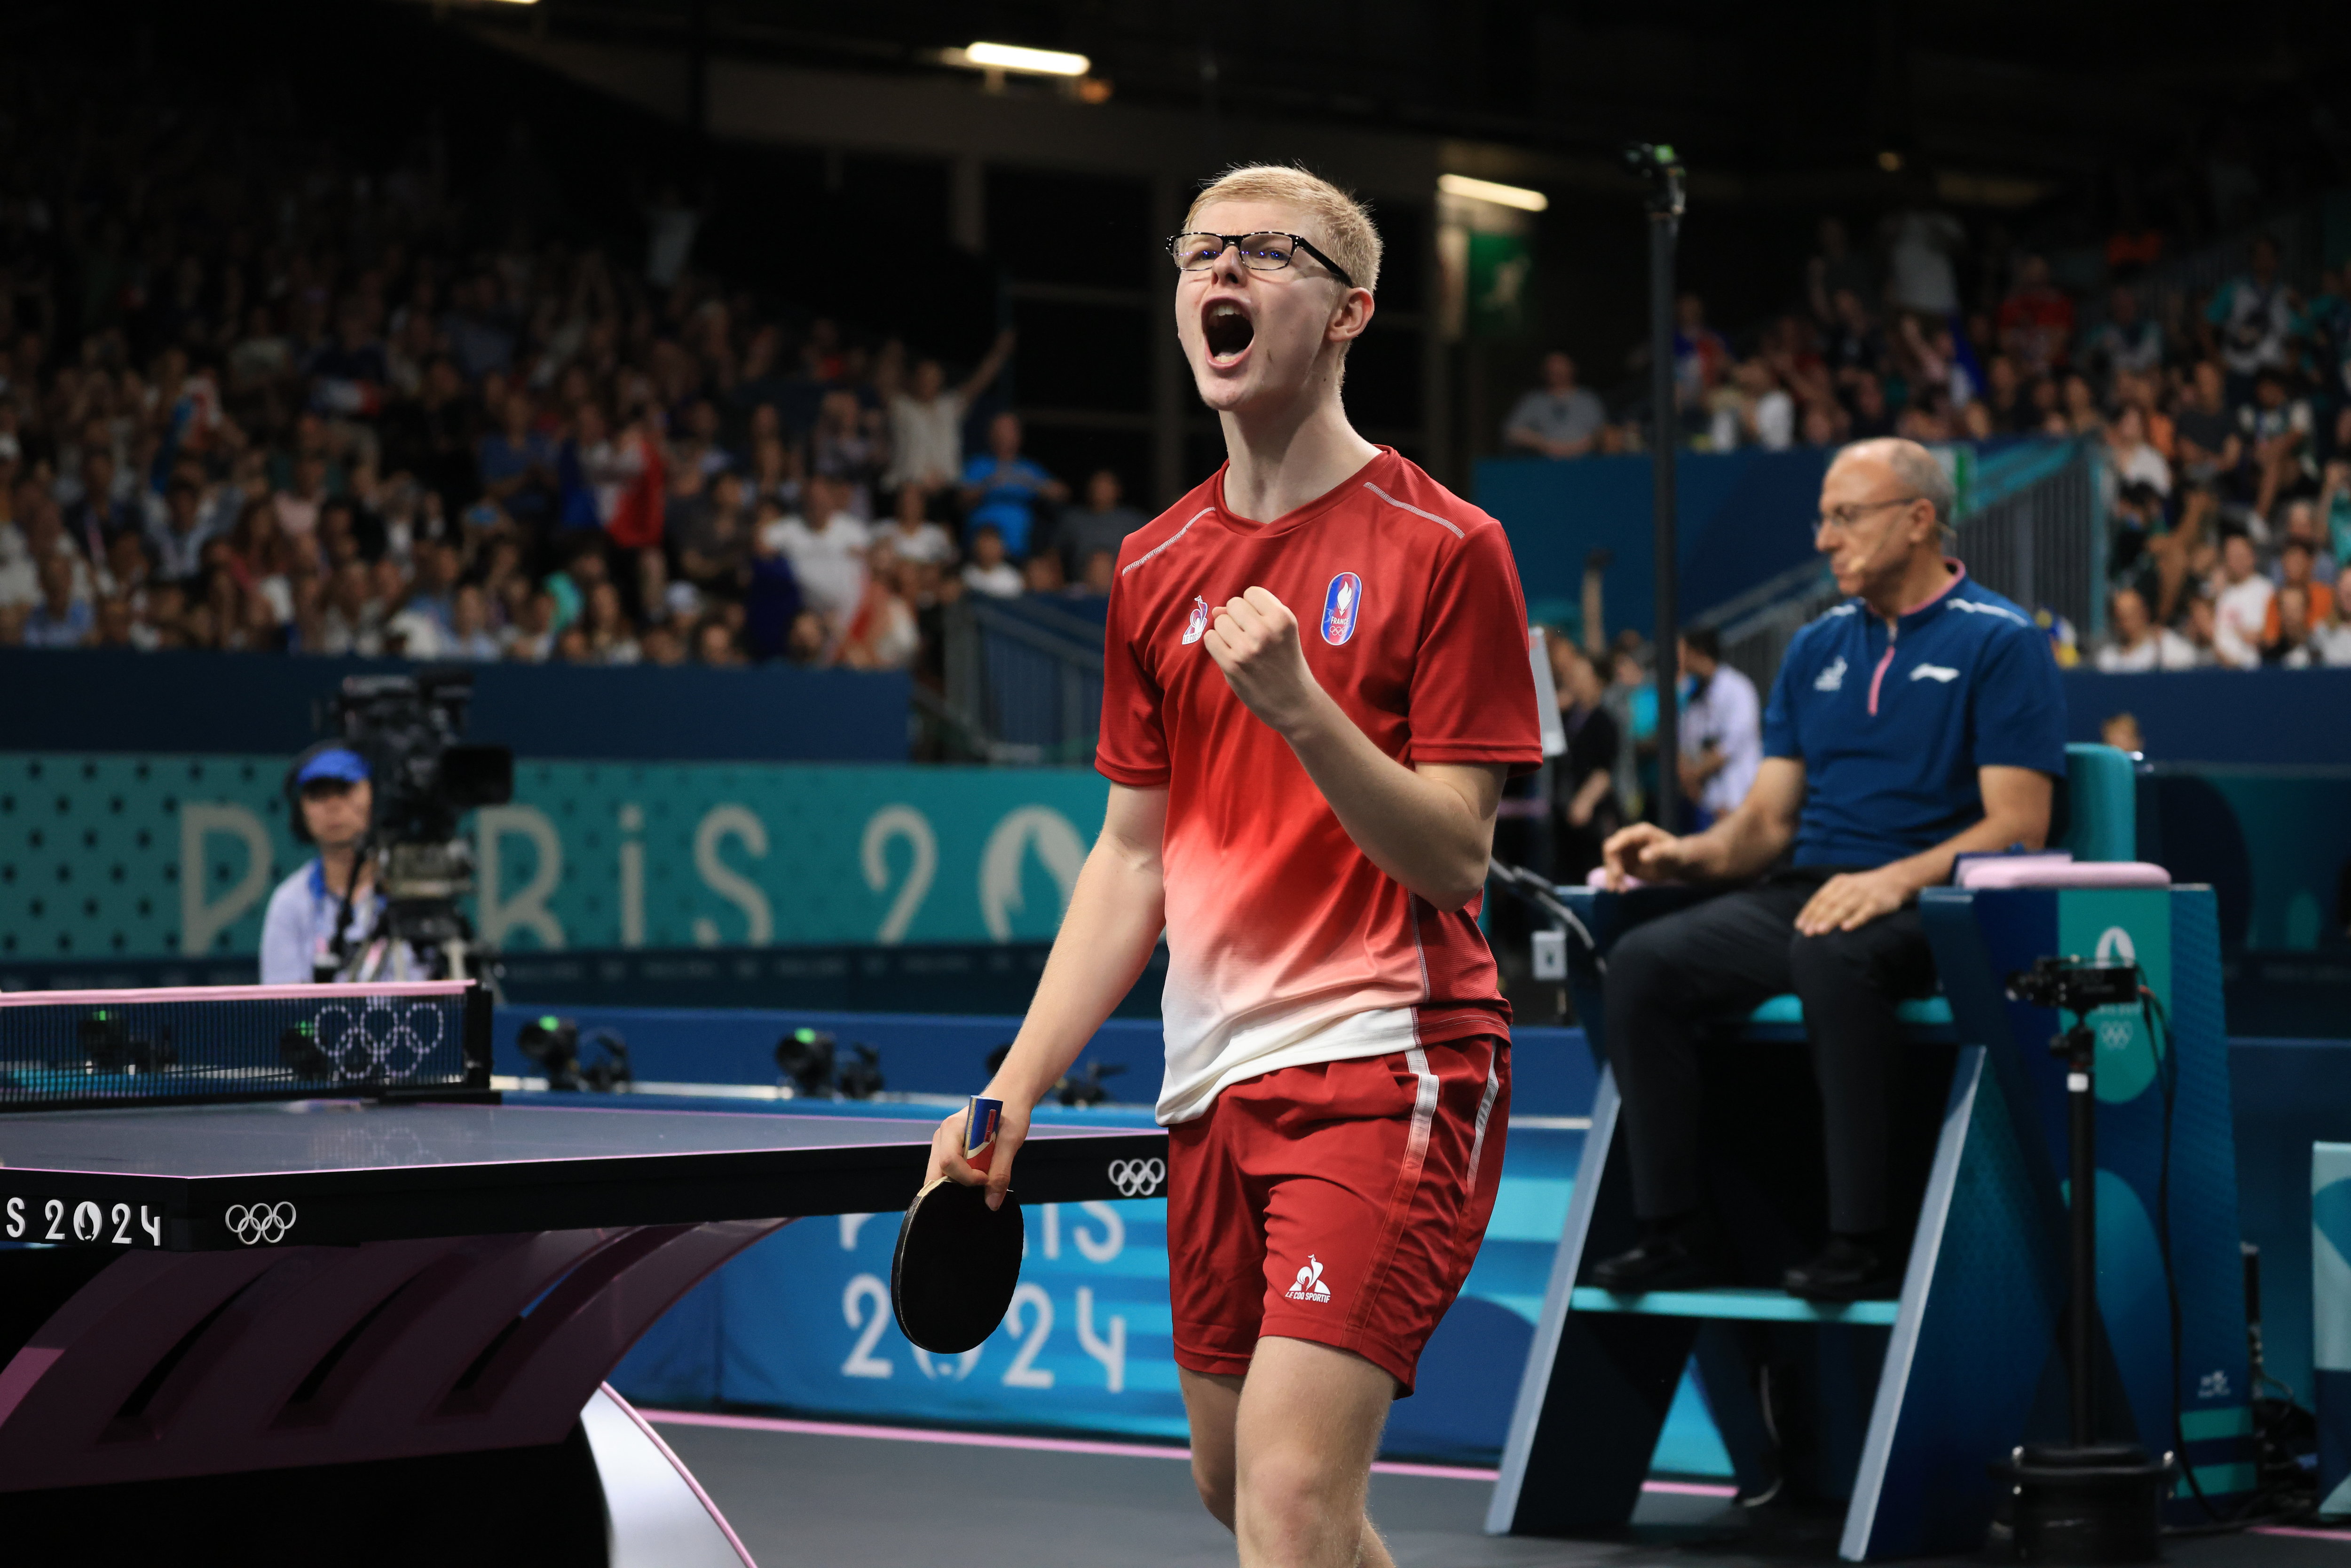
1254	640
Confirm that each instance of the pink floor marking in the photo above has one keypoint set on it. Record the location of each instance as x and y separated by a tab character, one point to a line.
1081	1446
2341	1535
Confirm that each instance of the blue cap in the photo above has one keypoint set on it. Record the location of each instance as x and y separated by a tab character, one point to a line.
338	762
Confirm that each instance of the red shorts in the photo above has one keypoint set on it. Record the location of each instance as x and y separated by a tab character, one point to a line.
1341	1202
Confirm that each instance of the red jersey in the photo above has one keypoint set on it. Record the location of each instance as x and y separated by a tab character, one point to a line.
1287	945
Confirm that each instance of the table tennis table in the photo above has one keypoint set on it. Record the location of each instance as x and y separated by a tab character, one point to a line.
377	1290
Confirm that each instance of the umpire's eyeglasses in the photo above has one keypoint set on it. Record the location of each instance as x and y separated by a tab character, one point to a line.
1844	517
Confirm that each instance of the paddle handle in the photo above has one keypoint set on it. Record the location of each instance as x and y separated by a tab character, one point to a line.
980	1126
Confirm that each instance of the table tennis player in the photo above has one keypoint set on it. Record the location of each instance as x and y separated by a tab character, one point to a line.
1315	682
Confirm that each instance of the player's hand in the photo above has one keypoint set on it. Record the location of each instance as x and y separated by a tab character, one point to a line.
1254	639
1645	850
1851	901
947	1153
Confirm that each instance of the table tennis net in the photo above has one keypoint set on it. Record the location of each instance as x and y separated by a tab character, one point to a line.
62	1049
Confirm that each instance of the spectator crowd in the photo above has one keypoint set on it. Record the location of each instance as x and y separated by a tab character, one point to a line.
308	410
2223	418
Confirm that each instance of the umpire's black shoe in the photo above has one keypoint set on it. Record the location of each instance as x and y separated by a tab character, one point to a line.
1851	1269
1675	1256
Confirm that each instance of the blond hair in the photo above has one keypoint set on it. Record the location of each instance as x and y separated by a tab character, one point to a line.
1335	222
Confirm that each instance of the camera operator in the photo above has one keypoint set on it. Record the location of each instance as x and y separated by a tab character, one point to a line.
332	801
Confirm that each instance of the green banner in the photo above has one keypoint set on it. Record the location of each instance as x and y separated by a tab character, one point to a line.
152	856
1501	265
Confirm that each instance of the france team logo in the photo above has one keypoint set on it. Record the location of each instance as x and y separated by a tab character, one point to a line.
1339	606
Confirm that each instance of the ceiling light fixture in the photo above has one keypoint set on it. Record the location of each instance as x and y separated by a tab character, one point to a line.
1013	58
1516	196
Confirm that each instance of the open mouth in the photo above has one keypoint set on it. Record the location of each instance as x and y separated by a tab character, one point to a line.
1228	333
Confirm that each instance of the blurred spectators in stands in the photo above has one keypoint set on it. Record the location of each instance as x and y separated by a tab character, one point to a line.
2241	604
470	636
1097	577
1559	418
2297	560
1102	524
1702	357
1002	488
988	571
1752	410
2129	344
911	534
303	407
881	633
2133	459
1631	698
2134	644
60	618
2277	427
1041	574
2252	315
2036	320
847	448
1720	730
927	421
1920	244
826	550
2331	635
291	402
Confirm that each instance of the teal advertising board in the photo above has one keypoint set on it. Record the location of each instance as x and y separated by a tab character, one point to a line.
131	855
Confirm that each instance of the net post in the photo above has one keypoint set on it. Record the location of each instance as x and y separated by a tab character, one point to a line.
480	1014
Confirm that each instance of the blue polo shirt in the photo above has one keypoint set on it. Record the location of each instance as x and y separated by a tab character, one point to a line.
1891	725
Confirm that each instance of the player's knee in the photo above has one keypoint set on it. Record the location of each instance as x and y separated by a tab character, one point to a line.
1214	1481
1284	1496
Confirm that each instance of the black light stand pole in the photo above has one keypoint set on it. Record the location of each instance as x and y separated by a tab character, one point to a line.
2082	1127
2082	1501
1663	171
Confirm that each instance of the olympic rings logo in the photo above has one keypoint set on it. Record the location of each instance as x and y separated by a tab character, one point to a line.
262	1222
379	1042
1137	1179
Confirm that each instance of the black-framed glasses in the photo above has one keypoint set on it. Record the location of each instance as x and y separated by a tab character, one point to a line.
1844	517
1265	251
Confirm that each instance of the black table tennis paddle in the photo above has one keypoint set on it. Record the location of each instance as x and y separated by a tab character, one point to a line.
958	1261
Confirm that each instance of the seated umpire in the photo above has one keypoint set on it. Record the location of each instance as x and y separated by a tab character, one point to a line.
1918	720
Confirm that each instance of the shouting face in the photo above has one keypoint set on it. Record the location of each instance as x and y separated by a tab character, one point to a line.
1252	334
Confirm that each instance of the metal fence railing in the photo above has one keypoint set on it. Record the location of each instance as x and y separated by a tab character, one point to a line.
2034	532
2043	545
1023	681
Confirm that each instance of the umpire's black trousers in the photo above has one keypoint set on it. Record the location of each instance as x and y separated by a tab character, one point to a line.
1726	956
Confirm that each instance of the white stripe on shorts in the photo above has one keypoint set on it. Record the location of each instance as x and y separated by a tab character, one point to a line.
1485	1109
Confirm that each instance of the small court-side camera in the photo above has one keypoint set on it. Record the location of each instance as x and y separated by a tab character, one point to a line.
860	1077
805	1058
2074	986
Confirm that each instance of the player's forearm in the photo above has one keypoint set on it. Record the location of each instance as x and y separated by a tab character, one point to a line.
1116	913
1418	830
